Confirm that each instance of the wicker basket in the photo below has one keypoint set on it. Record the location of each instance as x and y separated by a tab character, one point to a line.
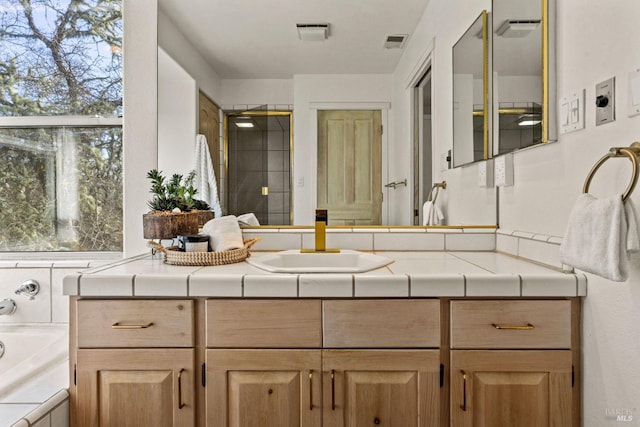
175	257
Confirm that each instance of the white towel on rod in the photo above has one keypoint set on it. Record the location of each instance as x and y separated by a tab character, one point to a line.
432	214
206	176
426	212
600	235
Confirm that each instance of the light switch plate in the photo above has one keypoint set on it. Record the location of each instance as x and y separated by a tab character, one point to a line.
572	112
605	94
485	173
634	93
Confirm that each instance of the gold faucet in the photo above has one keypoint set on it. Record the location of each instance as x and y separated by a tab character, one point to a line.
321	234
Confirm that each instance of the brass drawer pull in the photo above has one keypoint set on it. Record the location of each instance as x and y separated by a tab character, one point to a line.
117	325
180	403
526	327
464	391
311	390
333	390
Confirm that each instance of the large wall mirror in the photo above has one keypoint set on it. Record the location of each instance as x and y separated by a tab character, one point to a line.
523	77
470	95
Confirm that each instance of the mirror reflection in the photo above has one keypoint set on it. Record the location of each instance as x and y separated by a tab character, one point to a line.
517	74
470	99
258	148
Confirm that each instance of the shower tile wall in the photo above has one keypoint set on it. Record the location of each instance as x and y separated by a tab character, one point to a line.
260	158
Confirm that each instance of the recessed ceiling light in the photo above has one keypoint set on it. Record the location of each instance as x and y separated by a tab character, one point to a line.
244	124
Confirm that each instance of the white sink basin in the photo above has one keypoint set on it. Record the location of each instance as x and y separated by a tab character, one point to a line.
347	261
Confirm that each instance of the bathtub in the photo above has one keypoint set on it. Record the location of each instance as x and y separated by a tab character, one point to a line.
33	369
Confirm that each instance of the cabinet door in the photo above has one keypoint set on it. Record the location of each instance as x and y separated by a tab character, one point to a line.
266	388
135	388
511	388
398	388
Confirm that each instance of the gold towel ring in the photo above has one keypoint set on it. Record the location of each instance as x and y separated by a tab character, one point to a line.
629	152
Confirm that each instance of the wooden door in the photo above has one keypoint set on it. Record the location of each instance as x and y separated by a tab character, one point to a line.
393	388
266	388
511	388
350	166
209	126
135	388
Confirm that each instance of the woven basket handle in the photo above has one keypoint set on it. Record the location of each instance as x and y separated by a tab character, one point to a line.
156	246
250	242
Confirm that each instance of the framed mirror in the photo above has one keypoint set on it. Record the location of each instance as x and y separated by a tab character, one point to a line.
523	81
470	95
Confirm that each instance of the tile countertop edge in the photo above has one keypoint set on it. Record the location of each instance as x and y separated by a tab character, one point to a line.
421	285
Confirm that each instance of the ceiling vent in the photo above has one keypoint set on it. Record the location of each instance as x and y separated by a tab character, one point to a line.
517	27
313	32
395	41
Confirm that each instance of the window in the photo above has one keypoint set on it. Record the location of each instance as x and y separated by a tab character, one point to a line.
60	125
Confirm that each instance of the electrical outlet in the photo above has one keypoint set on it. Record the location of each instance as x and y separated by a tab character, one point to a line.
485	173
503	170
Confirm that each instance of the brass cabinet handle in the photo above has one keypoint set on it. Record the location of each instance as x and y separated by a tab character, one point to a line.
180	403
526	327
117	325
311	390
464	391
333	390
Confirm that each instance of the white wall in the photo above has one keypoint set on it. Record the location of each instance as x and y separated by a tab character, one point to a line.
341	91
177	117
278	92
140	130
440	27
182	51
549	178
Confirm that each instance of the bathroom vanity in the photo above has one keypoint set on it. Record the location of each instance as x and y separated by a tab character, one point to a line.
470	339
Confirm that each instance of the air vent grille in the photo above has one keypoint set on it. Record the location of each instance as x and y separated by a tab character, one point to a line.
395	41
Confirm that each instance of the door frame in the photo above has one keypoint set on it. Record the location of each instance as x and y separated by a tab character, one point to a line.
420	69
384	108
259	113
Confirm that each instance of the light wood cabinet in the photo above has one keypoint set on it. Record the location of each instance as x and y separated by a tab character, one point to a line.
135	388
531	388
398	388
266	388
133	363
333	363
512	363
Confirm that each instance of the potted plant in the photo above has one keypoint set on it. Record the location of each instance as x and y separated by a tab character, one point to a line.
174	208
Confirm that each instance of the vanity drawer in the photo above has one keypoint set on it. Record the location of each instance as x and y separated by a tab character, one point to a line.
135	323
264	323
510	324
381	324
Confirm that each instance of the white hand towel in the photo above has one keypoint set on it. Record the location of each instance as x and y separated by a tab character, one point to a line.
224	233
206	176
427	208
248	219
437	217
600	234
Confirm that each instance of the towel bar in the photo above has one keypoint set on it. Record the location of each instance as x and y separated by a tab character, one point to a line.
632	152
437	186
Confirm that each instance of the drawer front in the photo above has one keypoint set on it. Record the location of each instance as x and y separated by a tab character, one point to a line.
511	324
264	324
135	323
382	324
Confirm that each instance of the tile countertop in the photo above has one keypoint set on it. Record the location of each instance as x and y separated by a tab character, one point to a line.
412	274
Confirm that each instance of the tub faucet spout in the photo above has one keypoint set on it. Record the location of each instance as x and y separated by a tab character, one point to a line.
7	306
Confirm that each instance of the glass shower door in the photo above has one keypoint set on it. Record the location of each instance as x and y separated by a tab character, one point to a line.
258	152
